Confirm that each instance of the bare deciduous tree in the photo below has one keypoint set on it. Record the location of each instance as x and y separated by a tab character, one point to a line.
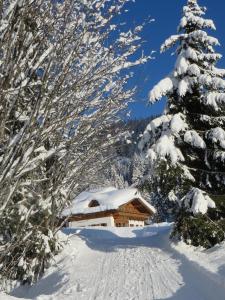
62	84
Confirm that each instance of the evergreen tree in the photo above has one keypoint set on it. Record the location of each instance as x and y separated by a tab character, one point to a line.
186	146
125	166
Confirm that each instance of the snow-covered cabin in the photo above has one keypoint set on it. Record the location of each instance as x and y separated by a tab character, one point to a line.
109	207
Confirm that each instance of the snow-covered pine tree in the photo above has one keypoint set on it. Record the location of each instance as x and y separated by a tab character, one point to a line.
188	141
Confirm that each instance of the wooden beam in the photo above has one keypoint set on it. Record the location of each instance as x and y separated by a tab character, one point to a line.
96	215
135	216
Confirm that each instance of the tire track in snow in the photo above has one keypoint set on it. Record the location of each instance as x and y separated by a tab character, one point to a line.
99	281
124	269
134	274
130	273
166	279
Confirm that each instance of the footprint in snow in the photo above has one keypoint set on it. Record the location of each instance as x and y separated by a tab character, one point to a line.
78	288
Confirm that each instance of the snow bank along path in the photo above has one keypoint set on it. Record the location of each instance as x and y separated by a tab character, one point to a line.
122	264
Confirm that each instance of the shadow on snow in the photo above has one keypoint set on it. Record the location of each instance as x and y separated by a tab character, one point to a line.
197	282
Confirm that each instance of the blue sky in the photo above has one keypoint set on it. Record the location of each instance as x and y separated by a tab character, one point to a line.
167	14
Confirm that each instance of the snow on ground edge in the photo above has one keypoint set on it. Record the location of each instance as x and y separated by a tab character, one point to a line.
211	262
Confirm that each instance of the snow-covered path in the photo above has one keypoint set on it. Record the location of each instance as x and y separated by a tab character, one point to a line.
123	264
135	273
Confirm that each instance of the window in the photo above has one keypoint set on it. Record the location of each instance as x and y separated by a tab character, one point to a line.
93	203
94	225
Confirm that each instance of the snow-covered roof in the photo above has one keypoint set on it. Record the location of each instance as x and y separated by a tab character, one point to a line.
108	198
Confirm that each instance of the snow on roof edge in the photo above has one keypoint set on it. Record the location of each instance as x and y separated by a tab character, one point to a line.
108	198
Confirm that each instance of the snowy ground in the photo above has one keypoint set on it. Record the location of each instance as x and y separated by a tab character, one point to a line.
130	264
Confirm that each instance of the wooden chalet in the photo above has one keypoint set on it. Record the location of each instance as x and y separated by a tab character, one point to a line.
109	207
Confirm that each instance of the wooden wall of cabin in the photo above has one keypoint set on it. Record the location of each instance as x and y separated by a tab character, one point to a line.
131	211
121	221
